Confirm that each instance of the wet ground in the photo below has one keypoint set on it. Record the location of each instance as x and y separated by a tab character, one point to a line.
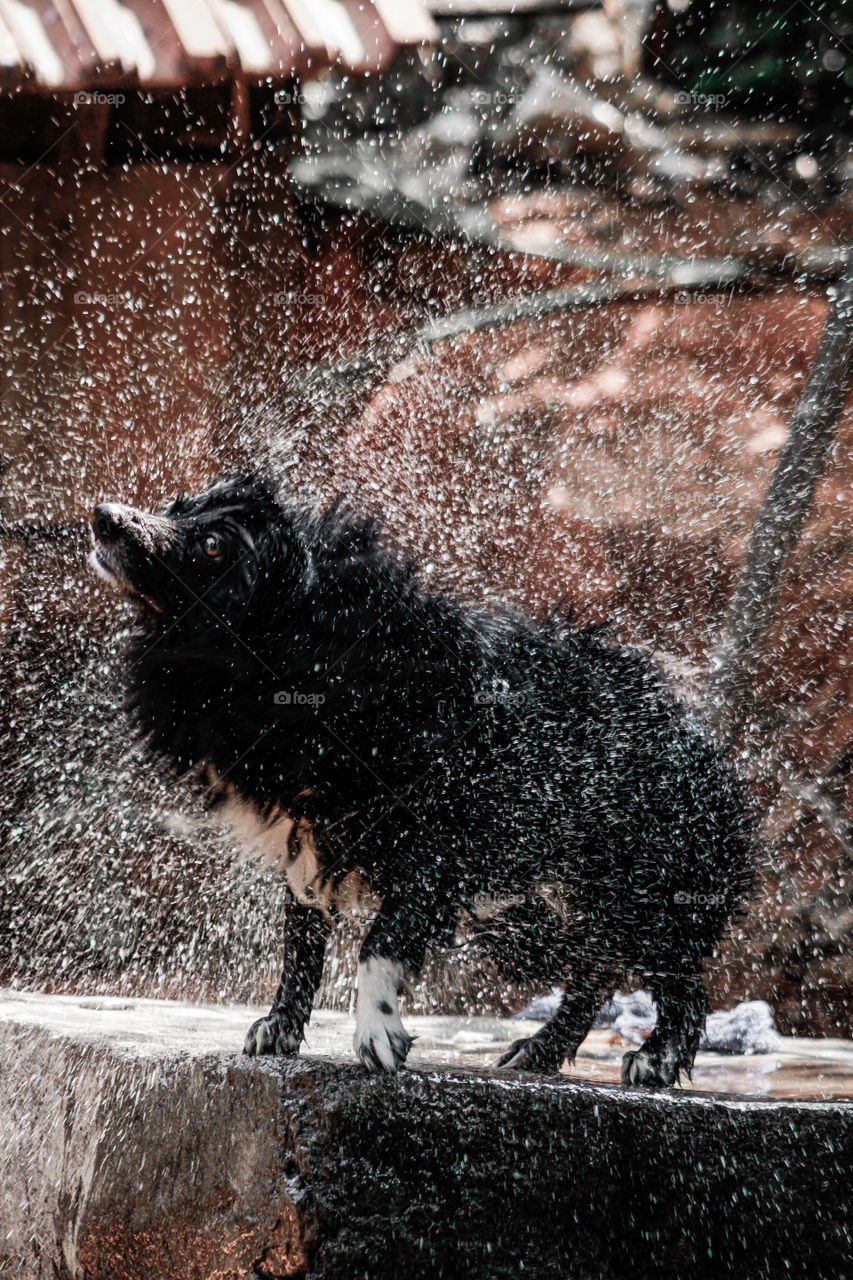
801	1068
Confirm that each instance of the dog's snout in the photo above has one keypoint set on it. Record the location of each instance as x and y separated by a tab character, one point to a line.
107	522
126	527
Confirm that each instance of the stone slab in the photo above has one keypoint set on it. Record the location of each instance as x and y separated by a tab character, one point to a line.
136	1143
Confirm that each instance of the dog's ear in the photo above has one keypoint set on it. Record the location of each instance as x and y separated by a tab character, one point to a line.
282	556
267	486
261	484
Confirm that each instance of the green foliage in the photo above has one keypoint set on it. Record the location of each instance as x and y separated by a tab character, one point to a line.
762	56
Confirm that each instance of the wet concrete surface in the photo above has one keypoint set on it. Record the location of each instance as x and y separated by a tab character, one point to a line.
136	1142
801	1067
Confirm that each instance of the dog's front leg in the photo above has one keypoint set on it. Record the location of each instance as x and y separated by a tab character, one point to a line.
397	940
281	1031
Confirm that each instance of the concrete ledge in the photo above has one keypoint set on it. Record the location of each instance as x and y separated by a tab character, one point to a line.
128	1149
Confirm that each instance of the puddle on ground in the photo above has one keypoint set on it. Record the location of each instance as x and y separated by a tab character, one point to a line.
805	1069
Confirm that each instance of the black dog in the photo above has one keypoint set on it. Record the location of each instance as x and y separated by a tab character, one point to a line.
374	735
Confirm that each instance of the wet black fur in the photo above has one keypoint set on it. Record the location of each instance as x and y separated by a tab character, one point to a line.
457	755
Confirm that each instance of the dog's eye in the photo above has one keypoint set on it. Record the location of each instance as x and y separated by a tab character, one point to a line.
212	546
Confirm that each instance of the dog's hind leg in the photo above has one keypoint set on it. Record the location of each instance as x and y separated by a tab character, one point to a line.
670	1049
563	1034
281	1031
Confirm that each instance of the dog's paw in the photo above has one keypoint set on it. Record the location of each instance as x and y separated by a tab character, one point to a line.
384	1050
641	1070
529	1055
271	1034
381	1043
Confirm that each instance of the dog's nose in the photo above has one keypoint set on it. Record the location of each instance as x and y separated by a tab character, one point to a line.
107	522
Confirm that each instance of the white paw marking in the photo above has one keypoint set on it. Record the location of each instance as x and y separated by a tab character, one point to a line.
380	1040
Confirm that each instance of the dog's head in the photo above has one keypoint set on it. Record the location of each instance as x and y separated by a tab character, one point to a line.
210	550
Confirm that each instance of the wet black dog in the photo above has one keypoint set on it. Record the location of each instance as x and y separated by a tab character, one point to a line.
371	736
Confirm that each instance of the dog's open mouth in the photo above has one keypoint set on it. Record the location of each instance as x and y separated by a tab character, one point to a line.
107	565
103	561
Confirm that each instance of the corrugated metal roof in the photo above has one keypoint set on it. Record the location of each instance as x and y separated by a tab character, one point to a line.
501	8
59	45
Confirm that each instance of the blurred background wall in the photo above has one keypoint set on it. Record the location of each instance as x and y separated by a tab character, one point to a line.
207	217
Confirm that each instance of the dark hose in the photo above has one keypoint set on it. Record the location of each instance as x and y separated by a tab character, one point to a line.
785	508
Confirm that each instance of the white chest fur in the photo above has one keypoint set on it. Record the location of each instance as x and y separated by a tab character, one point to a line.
273	840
